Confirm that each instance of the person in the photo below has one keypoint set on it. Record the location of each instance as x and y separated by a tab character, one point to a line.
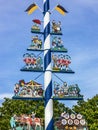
60	43
54	42
13	122
16	89
33	122
33	115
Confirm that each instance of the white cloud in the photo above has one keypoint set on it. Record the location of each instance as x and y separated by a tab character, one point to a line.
7	95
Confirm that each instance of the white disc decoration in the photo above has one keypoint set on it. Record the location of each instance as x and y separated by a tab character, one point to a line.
64	122
82	121
62	114
72	116
79	116
66	116
70	121
76	122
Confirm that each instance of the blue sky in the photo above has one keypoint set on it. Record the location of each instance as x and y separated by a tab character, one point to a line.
80	37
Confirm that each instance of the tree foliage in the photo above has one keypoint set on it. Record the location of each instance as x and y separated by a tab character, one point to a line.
89	109
18	107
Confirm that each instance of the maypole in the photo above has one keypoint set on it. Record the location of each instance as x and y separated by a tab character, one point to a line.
53	63
47	69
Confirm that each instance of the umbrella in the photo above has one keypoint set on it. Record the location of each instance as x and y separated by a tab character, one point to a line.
36	21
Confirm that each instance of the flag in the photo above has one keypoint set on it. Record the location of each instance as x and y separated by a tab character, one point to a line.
31	8
61	9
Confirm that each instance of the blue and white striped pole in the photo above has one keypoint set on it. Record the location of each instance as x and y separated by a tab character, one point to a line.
47	68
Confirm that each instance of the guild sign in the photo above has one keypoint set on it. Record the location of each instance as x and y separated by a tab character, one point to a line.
57	44
61	63
65	91
56	27
30	89
36	43
32	62
70	122
35	27
26	122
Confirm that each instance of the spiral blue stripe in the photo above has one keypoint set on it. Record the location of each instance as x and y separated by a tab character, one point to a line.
46	6
47	30
47	59
50	126
48	93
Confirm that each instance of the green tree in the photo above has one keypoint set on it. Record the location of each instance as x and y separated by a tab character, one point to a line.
59	108
10	107
89	109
